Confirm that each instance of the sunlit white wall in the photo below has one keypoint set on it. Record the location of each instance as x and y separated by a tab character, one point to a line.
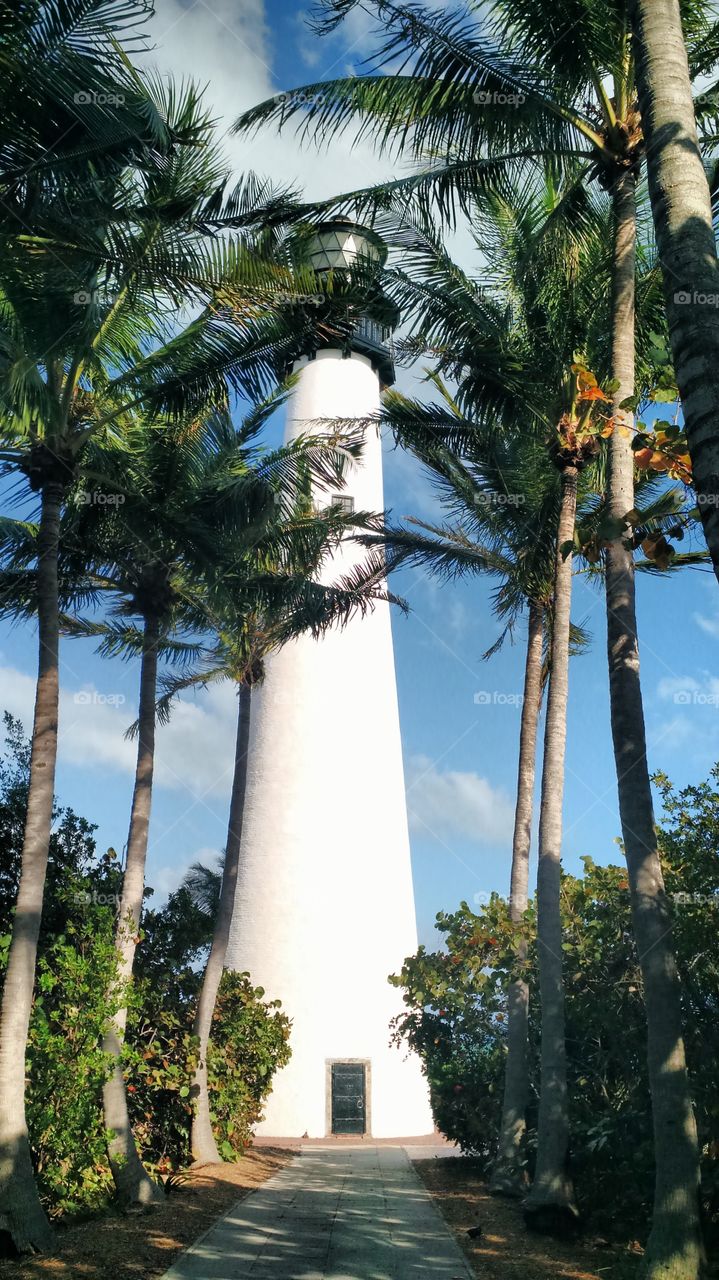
325	905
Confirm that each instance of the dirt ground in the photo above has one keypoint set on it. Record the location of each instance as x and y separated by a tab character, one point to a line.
506	1250
139	1246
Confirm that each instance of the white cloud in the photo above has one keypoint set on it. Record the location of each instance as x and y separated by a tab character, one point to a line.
195	752
228	47
457	618
710	625
342	52
706	617
688	691
670	686
692	726
451	803
678	732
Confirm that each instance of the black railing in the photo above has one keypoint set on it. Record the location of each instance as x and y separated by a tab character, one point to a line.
367	336
375	334
375	340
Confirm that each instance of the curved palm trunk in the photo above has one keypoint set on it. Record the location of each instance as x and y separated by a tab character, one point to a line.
204	1148
550	1203
133	1183
674	1248
509	1175
21	1213
681	205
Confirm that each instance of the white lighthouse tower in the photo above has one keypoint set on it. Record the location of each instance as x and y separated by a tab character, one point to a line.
325	906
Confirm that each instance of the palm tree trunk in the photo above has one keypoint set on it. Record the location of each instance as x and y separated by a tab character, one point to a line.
134	1184
674	1247
681	205
204	1147
509	1175
21	1213
550	1204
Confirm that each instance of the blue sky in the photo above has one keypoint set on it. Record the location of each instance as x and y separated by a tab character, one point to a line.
460	755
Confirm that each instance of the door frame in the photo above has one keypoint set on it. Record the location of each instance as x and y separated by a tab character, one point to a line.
356	1062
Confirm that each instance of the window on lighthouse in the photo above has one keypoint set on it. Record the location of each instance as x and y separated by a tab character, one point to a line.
344	503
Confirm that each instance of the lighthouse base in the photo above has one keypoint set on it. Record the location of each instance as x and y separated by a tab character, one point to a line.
348	1096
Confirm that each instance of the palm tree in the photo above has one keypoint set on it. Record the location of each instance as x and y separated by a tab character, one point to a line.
298	602
97	283
19	1202
503	344
507	341
144	557
204	885
485	95
527	540
52	51
202	1139
95	266
552	1194
491	532
684	223
508	1173
198	501
502	501
69	96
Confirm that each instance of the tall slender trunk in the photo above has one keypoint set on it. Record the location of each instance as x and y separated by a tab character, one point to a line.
509	1175
134	1184
674	1247
21	1213
204	1148
550	1203
681	205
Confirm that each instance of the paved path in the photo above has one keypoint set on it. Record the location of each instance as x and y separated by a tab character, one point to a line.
360	1214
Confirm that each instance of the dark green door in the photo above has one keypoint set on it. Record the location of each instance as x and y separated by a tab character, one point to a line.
348	1097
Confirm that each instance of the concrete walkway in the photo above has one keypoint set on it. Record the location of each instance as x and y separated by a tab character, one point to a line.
358	1214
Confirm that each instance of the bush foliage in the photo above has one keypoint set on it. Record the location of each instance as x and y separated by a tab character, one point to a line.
456	1010
77	992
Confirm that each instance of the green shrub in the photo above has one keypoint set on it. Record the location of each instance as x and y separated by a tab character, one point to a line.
456	1009
66	1064
250	1042
77	993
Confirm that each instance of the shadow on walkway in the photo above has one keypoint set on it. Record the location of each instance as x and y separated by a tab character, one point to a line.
359	1214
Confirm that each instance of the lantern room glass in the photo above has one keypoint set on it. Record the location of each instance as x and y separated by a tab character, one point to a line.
335	246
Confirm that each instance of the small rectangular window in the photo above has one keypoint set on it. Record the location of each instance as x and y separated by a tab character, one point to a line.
343	502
